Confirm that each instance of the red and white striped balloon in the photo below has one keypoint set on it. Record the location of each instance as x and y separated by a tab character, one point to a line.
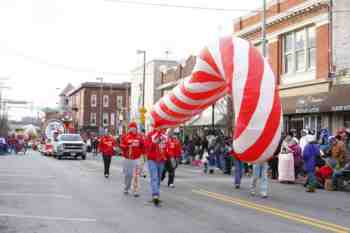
230	66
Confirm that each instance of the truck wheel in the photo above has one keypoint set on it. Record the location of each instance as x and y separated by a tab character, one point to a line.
59	157
83	157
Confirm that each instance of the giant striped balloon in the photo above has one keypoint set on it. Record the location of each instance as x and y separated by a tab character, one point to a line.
230	66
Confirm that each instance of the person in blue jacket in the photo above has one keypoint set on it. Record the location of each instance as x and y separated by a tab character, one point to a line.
310	154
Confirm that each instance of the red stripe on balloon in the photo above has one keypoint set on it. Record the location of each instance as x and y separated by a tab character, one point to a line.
257	149
170	112
251	91
226	51
203	77
159	121
203	95
207	57
180	104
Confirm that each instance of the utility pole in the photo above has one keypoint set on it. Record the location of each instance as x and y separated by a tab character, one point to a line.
101	102
263	29
143	109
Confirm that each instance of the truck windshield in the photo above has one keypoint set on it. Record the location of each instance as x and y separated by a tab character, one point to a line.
70	138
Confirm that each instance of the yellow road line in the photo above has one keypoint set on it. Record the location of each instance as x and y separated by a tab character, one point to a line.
277	212
284	212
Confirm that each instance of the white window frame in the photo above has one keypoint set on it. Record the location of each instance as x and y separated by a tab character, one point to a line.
93	118
293	51
93	100
112	119
105	116
120	100
105	101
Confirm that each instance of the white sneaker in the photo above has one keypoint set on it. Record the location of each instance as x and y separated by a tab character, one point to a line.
171	185
252	193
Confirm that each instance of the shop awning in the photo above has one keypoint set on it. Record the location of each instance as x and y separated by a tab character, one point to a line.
335	100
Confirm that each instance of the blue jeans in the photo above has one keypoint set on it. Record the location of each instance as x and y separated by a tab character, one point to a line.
12	149
218	160
260	172
239	167
155	172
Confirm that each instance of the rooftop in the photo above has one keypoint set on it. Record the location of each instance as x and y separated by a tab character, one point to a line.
119	86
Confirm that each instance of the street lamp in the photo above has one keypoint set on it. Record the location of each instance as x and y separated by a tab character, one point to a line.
143	85
101	102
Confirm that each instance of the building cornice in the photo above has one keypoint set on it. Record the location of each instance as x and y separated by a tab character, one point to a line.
295	11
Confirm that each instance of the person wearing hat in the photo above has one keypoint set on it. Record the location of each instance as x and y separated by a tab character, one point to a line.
310	154
156	157
107	147
132	145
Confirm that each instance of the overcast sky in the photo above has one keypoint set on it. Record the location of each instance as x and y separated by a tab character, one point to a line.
44	44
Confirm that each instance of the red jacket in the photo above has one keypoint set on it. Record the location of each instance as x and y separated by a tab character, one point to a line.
132	146
173	148
156	146
106	145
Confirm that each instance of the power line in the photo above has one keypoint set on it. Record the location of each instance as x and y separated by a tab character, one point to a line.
166	5
41	61
181	6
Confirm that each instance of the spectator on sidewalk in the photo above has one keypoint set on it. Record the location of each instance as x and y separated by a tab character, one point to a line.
303	140
132	146
228	156
338	152
310	154
107	146
338	176
94	144
323	173
297	157
273	162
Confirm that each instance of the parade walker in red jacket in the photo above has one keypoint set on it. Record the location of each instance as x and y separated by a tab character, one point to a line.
132	145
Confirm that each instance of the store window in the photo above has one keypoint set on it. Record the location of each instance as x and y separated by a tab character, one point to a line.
105	119
112	118
93	100
105	101
93	118
313	122
119	102
299	50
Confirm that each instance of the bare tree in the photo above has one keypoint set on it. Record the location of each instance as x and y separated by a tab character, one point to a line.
225	109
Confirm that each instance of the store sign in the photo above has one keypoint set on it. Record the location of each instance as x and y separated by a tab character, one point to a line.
341	108
307	110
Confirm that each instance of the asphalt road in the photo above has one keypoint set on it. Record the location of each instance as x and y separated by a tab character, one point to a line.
41	195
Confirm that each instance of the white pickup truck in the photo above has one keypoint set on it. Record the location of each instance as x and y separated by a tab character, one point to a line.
69	145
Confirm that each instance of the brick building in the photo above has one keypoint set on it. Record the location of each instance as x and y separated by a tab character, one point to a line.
308	44
222	111
96	105
152	81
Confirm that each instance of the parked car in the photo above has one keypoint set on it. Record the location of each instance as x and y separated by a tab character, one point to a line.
69	145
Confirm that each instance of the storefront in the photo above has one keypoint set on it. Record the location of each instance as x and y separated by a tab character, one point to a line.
329	110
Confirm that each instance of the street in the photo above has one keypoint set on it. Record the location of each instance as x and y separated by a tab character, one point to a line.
41	194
